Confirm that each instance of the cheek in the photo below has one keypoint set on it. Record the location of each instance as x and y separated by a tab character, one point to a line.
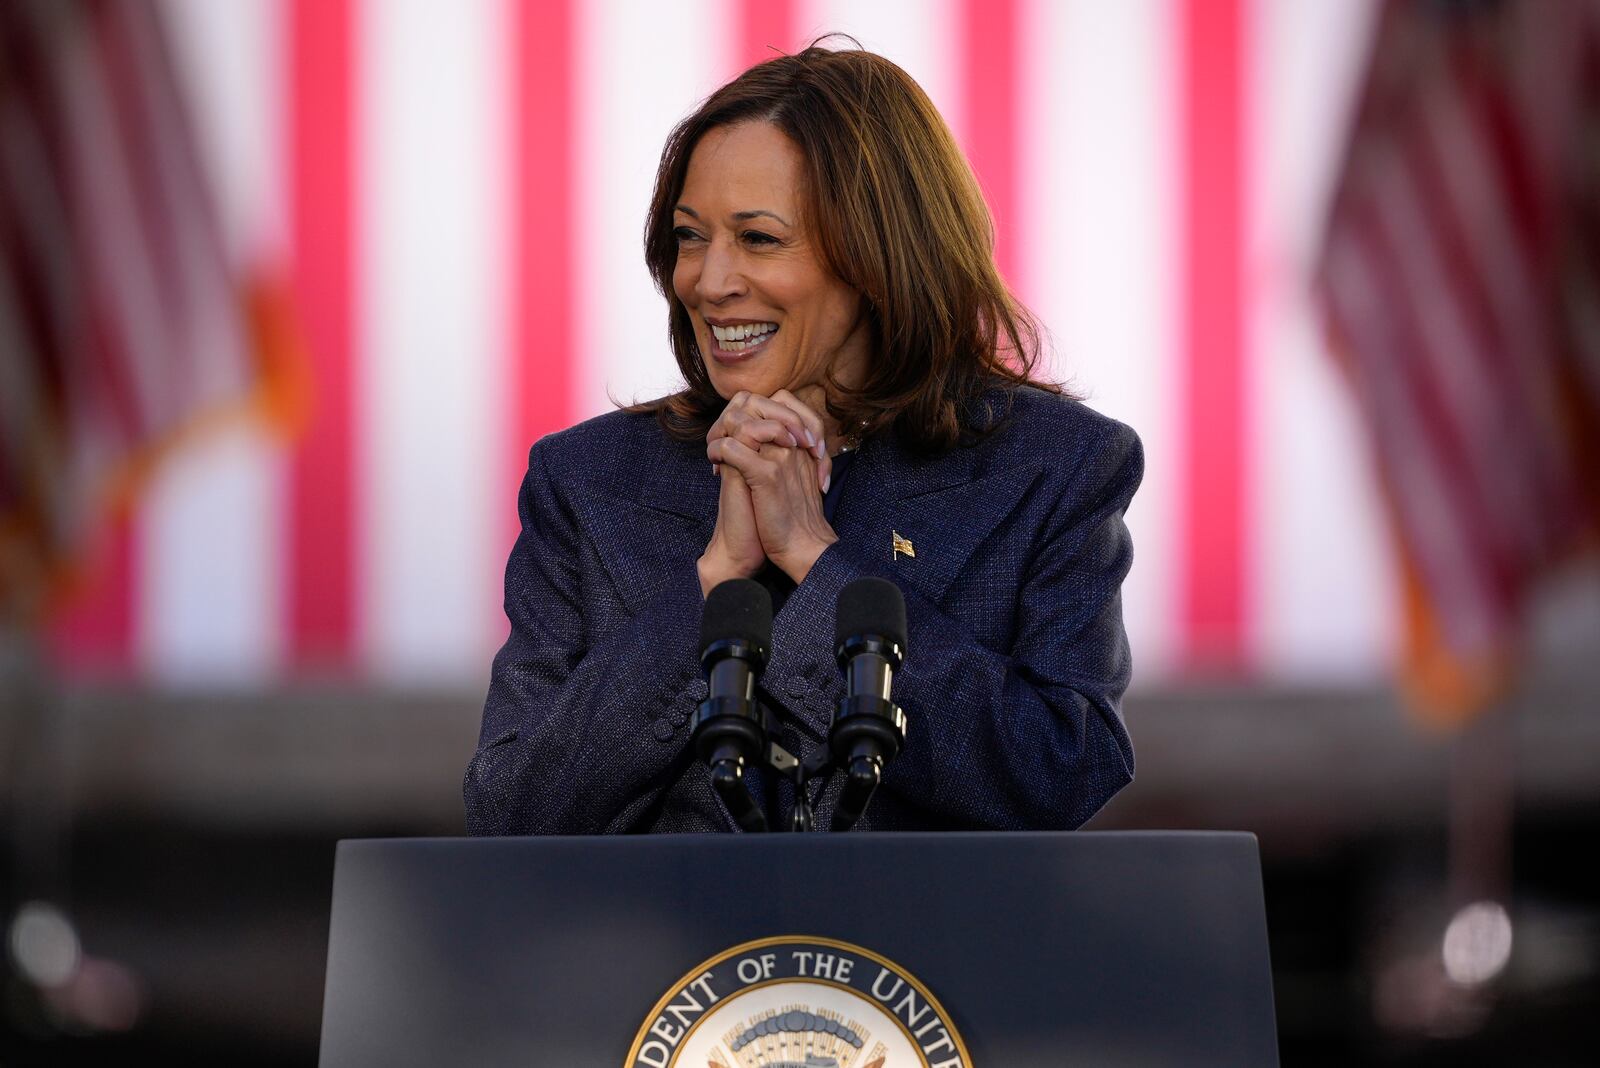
683	282
838	316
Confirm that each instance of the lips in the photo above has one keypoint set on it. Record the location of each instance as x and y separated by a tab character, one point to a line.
740	341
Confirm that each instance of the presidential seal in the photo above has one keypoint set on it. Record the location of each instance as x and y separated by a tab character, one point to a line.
798	1002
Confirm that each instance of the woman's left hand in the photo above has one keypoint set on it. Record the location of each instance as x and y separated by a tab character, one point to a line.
783	492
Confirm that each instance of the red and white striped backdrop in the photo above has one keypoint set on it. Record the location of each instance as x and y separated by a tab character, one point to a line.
459	192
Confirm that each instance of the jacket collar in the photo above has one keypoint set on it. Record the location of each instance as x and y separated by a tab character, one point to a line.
941	507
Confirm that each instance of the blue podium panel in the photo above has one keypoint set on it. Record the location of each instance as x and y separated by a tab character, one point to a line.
851	950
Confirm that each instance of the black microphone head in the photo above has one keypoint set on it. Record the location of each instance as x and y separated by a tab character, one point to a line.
871	606
739	609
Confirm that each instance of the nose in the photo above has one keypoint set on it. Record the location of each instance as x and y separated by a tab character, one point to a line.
721	275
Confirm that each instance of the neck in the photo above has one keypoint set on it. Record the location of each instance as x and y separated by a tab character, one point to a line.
815	398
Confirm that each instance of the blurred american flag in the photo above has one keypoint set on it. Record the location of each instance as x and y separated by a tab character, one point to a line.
121	326
458	192
1460	281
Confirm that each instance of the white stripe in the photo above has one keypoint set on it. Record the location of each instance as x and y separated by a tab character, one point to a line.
431	332
208	589
1101	253
1323	580
229	58
210	603
641	66
919	35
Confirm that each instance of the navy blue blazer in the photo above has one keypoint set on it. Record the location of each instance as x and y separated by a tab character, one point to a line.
1016	655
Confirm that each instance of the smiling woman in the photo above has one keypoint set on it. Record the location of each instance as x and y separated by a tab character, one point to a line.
858	401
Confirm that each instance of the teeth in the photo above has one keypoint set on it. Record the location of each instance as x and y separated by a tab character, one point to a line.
742	331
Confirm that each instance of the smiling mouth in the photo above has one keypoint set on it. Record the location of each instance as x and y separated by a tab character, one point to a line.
732	351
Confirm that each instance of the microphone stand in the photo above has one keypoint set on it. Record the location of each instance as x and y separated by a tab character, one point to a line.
730	785
802	815
801	774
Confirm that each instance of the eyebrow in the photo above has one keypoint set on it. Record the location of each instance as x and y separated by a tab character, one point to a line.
741	215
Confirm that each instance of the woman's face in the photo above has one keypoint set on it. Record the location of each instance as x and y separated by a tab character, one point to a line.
746	268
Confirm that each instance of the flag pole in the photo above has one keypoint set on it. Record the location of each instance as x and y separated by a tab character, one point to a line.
37	803
1480	808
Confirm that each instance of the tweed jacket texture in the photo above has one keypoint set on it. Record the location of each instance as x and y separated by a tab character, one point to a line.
1016	659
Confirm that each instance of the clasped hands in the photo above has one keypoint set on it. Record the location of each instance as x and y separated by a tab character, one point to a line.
772	457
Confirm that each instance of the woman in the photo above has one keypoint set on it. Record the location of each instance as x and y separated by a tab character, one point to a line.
857	401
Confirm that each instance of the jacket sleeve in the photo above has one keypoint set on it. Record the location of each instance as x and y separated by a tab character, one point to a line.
574	737
1025	738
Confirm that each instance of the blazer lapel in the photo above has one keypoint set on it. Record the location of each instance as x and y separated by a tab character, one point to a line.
642	542
941	509
925	517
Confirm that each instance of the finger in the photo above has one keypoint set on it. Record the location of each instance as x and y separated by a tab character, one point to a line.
806	431
728	411
742	458
806	412
808	415
759	432
733	421
735	403
759	435
820	471
759	429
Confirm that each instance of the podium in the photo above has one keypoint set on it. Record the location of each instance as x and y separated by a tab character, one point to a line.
868	950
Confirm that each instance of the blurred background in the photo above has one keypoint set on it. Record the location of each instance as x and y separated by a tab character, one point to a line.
288	287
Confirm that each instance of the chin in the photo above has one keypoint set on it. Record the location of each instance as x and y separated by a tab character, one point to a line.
728	381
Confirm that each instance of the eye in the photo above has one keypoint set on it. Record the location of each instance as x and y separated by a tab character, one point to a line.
760	238
683	233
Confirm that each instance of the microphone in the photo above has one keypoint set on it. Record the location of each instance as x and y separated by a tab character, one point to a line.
728	732
868	729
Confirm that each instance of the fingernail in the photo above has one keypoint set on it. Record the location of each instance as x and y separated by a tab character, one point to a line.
811	440
822	450
827	479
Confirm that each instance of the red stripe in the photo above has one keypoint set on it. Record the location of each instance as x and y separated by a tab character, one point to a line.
1213	388
1530	212
542	294
990	61
321	78
765	31
94	631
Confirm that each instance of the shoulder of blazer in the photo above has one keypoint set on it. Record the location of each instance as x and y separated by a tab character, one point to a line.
1035	419
1066	437
616	452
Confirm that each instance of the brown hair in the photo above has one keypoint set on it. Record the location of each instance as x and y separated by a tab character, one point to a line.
895	212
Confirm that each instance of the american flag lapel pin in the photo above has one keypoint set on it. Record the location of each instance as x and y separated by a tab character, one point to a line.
902	546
